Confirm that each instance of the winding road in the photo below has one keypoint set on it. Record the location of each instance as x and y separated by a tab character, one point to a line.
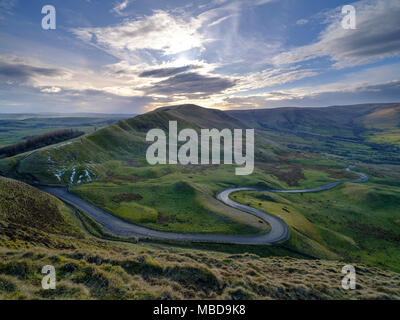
279	230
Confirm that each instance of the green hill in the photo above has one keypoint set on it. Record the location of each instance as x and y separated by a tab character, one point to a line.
111	161
37	230
73	161
368	133
294	148
346	119
108	169
361	132
30	217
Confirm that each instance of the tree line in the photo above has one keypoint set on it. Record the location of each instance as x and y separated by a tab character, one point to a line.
39	141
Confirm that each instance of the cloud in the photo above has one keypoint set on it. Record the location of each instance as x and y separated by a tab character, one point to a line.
166	72
210	54
273	76
220	20
49	79
305	97
160	32
191	83
21	73
260	2
29	99
8	4
51	90
376	37
120	7
301	22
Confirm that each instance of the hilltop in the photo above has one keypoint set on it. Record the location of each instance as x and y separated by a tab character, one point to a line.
122	140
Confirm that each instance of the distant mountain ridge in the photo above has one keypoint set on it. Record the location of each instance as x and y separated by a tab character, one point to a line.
18	116
334	116
126	138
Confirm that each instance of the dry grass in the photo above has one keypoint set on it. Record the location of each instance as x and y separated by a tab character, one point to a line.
164	274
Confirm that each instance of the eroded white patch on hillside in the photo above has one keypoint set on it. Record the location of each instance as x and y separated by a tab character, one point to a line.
62	145
73	175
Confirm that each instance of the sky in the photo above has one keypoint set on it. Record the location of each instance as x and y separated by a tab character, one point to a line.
131	56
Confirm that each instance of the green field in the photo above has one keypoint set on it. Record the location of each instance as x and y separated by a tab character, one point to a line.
358	222
15	130
172	199
391	137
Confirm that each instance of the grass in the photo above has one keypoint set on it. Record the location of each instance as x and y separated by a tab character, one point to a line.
354	221
16	130
386	137
181	198
149	273
29	216
351	223
93	268
170	205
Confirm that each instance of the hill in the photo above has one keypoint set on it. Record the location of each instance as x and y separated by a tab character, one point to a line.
126	138
37	229
356	224
348	119
30	217
368	133
108	169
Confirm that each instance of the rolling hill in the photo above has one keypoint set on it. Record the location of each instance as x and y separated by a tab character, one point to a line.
122	140
368	132
345	118
30	217
37	230
294	148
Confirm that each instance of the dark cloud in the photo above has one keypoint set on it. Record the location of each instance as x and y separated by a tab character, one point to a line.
191	83
166	72
379	35
23	72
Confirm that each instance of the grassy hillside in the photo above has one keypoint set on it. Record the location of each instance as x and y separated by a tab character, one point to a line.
38	230
125	272
110	162
347	119
294	148
18	127
30	217
368	133
359	222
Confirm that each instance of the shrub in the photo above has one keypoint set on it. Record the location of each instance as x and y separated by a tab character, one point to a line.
39	141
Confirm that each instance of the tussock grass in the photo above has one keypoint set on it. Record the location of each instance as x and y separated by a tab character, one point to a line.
164	274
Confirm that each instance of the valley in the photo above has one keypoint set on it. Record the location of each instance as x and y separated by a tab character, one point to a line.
296	151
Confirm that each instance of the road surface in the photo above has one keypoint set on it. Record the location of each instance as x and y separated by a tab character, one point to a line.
279	231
